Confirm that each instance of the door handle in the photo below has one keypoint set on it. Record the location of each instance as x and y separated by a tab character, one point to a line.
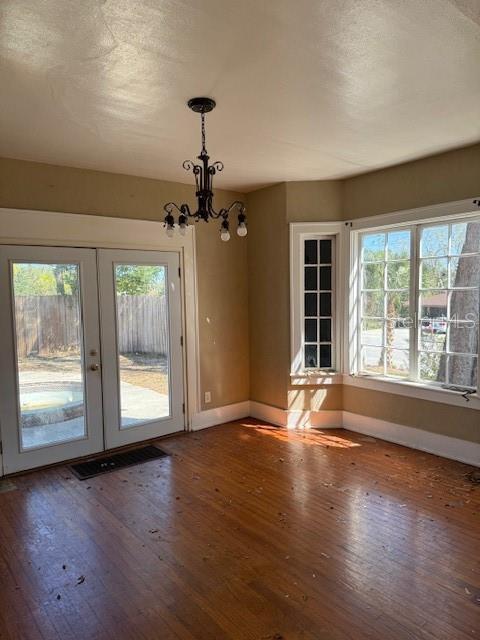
94	367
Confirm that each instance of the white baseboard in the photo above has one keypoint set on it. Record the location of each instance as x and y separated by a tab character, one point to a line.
440	445
268	413
219	415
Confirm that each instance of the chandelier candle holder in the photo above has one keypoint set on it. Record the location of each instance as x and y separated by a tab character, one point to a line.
204	174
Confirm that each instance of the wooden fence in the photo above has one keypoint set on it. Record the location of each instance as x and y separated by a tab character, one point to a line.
46	325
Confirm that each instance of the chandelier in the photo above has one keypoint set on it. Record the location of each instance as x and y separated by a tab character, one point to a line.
204	174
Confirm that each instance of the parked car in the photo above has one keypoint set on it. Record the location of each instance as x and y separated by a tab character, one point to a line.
435	325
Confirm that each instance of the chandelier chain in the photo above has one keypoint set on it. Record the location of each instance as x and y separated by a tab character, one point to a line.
203	133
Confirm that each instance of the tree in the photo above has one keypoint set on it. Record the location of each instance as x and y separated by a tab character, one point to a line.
136	280
464	336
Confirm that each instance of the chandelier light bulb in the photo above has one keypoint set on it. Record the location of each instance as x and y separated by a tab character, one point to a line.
170	231
242	229
182	224
225	235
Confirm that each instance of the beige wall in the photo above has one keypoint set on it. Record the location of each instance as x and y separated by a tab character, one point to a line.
449	176
447	420
445	177
268	283
327	397
314	201
222	267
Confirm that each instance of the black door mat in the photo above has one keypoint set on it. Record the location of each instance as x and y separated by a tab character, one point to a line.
105	464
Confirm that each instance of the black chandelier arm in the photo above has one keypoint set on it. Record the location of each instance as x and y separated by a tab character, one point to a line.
197	171
183	209
215	167
224	212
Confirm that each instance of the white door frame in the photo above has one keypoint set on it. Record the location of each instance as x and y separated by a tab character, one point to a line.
46	228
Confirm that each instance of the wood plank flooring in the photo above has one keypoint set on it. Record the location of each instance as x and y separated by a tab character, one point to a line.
248	532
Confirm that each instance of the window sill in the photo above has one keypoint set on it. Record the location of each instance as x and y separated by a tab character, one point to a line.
319	378
413	390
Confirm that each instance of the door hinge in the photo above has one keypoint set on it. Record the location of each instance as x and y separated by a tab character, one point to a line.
181	341
179	272
183	407
1	448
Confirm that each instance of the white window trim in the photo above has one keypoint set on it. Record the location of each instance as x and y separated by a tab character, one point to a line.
423	215
299	232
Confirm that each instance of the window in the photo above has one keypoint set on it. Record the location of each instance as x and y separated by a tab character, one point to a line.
313	302
318	303
419	302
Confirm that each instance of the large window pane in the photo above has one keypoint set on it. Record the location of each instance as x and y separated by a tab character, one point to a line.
143	342
48	334
385	333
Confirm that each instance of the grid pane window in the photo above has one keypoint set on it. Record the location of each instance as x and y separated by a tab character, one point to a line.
385	303
318	277
448	303
419	301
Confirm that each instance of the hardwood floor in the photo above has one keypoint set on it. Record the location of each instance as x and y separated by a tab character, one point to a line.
247	532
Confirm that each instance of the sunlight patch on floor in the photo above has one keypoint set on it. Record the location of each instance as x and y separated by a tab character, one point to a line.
311	437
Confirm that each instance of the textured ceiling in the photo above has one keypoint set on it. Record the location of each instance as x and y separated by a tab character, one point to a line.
306	89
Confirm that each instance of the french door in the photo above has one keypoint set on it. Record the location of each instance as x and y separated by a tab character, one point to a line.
91	351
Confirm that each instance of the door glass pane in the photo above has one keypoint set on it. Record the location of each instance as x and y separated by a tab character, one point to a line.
143	343
48	334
